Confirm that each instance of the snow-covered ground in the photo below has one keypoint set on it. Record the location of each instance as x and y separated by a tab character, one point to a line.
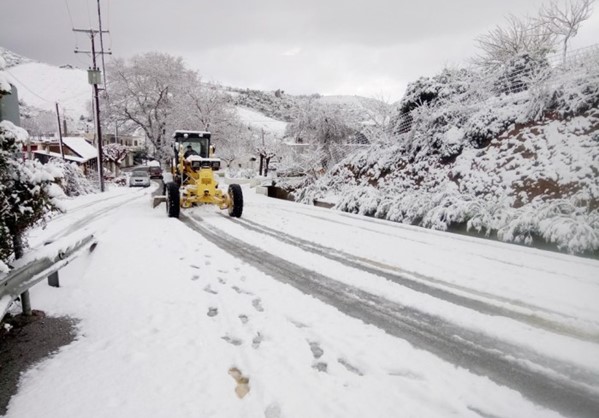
258	120
42	85
327	314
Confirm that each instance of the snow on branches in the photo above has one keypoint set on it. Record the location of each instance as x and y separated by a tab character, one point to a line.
27	192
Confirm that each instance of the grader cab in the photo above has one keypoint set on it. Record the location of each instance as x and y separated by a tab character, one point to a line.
194	182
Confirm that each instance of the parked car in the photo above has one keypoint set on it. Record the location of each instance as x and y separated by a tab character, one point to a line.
139	178
155	172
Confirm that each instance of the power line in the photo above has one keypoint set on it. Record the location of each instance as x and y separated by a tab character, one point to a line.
66	2
102	49
27	88
89	19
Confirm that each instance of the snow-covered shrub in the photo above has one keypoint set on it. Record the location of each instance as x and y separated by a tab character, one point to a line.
517	73
26	191
240	173
436	92
73	181
362	201
489	122
575	96
559	222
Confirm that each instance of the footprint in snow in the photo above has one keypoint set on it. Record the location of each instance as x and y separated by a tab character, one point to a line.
222	281
209	289
320	366
257	340
212	311
232	340
257	304
195	277
241	291
317	353
244	319
349	367
273	411
193	266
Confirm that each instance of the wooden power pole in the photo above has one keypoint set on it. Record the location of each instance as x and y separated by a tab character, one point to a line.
94	82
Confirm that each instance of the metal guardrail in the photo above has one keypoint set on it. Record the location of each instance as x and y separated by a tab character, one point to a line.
36	266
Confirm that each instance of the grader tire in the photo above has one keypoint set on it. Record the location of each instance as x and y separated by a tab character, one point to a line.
172	200
236	207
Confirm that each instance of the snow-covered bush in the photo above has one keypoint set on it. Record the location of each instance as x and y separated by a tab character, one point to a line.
572	229
516	74
27	191
4	84
73	181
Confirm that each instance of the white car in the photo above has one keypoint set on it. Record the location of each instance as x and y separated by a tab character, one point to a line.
139	179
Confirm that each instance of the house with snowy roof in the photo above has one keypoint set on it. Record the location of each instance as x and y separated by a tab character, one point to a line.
73	149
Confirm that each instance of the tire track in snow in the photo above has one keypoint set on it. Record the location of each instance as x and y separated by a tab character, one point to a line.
405	228
433	289
92	216
544	381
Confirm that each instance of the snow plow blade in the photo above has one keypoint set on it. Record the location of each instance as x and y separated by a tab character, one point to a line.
156	200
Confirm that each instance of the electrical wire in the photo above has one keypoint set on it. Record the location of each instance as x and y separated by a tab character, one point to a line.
102	50
89	18
66	2
28	89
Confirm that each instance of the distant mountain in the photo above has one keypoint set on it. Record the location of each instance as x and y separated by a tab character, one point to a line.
12	58
284	107
40	86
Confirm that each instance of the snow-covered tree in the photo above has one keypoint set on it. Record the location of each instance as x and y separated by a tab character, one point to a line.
267	146
144	92
564	20
115	152
38	122
323	127
232	143
205	106
379	113
518	36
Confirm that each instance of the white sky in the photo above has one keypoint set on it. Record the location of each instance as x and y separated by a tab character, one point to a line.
331	47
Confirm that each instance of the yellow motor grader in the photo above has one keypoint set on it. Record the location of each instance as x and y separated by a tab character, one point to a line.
194	182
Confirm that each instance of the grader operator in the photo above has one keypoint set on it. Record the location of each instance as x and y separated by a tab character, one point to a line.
194	182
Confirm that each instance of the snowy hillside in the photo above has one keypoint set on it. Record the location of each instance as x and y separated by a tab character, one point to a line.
11	59
42	85
510	158
258	120
284	107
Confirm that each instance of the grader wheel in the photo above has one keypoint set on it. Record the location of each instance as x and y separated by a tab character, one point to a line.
172	200
236	197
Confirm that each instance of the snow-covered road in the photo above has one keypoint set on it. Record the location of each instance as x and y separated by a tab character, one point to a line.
327	314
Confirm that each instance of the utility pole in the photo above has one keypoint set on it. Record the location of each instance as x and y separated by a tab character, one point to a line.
94	78
59	132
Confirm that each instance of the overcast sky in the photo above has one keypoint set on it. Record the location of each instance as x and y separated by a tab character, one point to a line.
364	47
